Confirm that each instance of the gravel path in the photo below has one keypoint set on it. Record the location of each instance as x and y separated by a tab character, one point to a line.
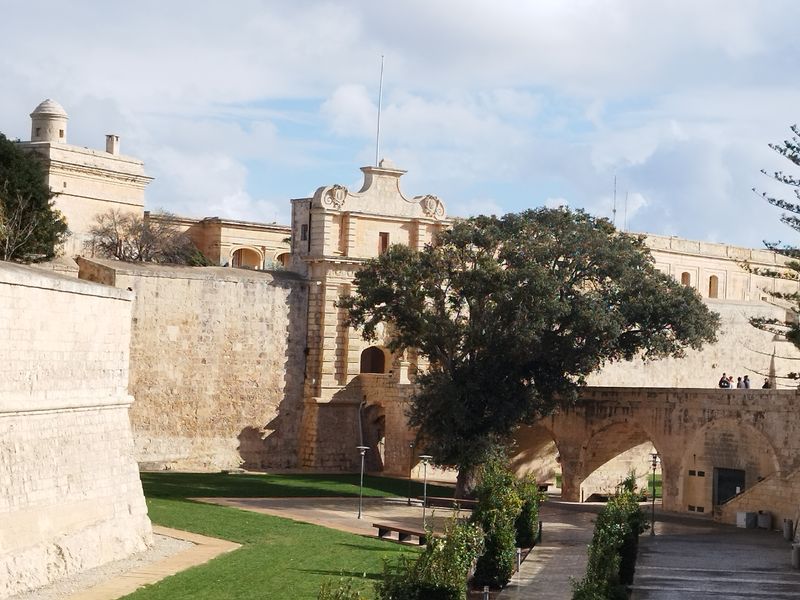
162	548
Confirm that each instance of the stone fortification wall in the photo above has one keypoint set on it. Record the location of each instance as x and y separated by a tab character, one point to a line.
71	496
741	350
217	363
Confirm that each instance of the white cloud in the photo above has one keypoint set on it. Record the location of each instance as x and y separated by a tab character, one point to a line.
497	100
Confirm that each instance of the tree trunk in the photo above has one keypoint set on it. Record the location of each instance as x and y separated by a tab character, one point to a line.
466	482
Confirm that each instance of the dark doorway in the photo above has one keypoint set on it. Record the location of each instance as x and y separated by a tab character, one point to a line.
373	360
727	483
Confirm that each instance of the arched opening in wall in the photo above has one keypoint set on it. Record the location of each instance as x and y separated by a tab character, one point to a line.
713	287
283	259
722	460
536	453
613	454
373	360
686	279
246	258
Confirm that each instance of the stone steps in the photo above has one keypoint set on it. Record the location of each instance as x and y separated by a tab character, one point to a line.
665	583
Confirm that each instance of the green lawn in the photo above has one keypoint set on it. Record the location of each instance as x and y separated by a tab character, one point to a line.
279	558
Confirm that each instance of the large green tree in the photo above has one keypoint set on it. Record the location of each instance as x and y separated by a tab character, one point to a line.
790	327
513	314
30	228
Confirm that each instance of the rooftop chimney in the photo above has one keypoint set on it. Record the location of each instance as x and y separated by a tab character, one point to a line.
112	143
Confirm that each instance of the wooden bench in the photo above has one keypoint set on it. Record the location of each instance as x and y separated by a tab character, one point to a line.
442	502
403	533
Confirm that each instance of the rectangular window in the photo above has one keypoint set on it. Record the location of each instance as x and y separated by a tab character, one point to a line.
61	133
692	508
303	232
701	509
692	473
308	247
383	242
38	131
701	473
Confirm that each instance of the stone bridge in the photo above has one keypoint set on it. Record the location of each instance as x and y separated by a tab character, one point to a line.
710	441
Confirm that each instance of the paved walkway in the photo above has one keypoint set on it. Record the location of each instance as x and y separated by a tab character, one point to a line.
698	559
545	574
205	548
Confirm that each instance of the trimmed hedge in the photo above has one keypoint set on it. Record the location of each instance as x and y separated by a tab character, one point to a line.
612	553
499	505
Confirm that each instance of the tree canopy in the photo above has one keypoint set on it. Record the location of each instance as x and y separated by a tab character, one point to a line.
514	313
132	237
790	327
30	228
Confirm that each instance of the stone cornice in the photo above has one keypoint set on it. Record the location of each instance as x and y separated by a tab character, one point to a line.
57	166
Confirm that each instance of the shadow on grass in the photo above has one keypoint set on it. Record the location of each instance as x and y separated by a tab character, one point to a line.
224	485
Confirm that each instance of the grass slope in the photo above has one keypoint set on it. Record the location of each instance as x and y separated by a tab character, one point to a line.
279	558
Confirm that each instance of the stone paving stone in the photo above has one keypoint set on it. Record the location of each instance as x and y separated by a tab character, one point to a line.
205	548
547	572
690	558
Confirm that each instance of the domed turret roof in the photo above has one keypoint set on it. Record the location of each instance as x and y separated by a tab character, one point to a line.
49	107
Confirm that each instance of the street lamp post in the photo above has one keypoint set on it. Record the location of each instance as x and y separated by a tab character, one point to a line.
425	458
363	451
410	468
654	457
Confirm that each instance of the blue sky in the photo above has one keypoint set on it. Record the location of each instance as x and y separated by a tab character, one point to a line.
493	106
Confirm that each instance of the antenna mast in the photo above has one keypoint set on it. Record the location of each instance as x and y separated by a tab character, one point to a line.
614	206
378	129
625	225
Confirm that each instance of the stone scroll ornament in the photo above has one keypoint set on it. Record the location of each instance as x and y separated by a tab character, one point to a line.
432	206
334	196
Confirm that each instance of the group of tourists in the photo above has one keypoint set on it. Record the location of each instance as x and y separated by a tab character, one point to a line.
726	381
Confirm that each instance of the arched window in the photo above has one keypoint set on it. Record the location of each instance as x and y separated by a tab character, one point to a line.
686	278
713	287
283	259
373	360
246	258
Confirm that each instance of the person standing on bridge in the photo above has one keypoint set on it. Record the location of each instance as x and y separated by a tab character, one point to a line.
739	383
767	385
723	381
746	382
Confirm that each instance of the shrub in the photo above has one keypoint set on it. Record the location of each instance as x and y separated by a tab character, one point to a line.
527	523
498	507
612	553
441	571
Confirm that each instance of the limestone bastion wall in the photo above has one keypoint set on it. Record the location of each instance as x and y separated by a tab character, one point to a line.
217	363
71	496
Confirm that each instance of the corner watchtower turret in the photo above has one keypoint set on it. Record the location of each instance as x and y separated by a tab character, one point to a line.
49	123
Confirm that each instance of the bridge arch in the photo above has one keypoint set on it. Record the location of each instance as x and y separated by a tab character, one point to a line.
611	451
723	454
536	452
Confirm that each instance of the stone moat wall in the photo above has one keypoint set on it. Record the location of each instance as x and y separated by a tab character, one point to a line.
71	496
217	364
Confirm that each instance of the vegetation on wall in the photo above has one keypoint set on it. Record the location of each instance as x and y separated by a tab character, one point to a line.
31	229
142	238
513	314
